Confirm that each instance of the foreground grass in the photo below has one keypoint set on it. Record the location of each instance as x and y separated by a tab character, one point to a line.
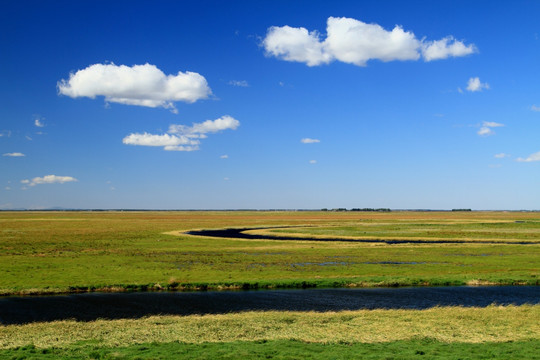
443	324
289	349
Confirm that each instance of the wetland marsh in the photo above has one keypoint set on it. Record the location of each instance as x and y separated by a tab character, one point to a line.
71	252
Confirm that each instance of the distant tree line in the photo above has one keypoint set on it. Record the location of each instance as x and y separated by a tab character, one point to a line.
358	209
461	210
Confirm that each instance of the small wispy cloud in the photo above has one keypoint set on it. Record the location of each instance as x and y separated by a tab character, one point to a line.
224	157
14	154
501	156
486	128
239	83
312	161
38	121
310	141
535	108
530	158
48	179
474	84
6	133
28	138
183	137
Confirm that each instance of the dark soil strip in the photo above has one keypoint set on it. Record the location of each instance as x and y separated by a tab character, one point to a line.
92	306
240	234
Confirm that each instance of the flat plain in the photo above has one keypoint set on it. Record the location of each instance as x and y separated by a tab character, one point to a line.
65	252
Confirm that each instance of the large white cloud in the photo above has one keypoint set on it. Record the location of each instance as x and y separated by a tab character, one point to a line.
296	44
182	137
48	179
530	158
355	42
143	85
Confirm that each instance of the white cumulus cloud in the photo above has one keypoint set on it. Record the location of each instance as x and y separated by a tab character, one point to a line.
14	154
48	179
530	158
143	85
355	42
183	137
474	84
445	48
310	141
296	44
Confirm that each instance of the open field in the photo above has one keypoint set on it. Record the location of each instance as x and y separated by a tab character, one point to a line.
47	252
54	252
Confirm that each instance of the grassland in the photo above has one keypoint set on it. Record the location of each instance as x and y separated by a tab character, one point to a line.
47	252
448	332
52	252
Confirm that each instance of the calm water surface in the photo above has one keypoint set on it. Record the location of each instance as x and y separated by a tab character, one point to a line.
91	306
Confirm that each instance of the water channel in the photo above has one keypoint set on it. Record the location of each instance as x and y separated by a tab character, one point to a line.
92	306
243	234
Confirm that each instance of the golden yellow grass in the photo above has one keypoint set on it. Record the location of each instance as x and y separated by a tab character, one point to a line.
403	236
446	324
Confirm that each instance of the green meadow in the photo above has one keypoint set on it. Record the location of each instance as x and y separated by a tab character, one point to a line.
63	252
47	252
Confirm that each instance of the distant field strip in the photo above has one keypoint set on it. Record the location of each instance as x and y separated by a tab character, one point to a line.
55	252
465	230
445	324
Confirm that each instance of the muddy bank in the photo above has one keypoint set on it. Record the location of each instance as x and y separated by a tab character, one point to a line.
241	234
92	306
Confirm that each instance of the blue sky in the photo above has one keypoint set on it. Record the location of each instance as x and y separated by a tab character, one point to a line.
269	104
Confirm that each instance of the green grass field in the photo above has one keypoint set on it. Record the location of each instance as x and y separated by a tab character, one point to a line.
73	251
53	252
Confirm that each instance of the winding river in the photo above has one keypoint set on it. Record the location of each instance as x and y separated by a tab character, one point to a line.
243	234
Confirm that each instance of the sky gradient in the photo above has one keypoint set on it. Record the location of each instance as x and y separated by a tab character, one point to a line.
270	104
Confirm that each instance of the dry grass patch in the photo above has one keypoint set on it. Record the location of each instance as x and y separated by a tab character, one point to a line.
445	324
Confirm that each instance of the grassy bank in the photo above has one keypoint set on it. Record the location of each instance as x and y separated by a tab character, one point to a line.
443	324
55	252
